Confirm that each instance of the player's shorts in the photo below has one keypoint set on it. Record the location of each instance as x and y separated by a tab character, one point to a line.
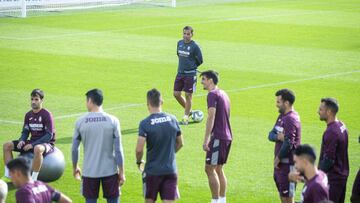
337	190
48	147
284	186
185	83
91	186
166	185
219	152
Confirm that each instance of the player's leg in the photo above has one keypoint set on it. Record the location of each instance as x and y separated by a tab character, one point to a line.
38	160
110	186
224	150
189	88
213	179
152	188
8	147
337	191
285	187
178	87
168	189
188	104
90	189
222	181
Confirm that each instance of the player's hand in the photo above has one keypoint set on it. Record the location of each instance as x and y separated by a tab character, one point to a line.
281	136
20	144
28	147
295	176
121	179
77	173
276	162
141	165
206	146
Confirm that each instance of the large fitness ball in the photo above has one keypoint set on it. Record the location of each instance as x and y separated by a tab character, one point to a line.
52	167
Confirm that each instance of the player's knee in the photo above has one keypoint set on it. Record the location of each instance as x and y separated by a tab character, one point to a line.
177	94
39	150
188	96
8	146
209	170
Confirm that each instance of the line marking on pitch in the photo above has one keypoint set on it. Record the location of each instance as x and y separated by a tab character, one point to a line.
201	95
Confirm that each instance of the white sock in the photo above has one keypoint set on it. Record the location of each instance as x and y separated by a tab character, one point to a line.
214	200
186	117
222	200
7	174
34	175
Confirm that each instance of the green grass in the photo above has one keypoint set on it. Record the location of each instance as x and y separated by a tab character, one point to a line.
125	51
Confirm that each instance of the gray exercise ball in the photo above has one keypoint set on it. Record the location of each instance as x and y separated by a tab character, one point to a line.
52	167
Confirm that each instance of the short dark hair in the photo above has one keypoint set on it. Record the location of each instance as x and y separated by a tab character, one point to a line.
37	92
96	96
189	28
154	97
307	151
331	103
286	95
22	164
211	74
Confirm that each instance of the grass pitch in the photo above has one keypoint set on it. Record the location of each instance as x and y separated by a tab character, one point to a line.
258	47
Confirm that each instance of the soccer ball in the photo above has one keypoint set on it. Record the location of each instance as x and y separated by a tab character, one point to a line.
197	116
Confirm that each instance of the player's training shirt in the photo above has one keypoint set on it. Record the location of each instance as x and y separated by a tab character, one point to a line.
290	125
316	189
335	146
160	130
190	58
39	123
97	131
218	99
36	192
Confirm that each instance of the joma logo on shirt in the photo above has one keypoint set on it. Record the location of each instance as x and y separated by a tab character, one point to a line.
95	119
39	189
160	120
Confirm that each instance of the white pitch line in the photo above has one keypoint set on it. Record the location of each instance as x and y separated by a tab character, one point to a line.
200	95
10	122
158	26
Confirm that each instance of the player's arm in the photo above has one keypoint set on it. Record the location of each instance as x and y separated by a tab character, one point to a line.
24	133
64	199
289	140
139	151
209	126
46	138
75	152
119	154
273	135
198	56
329	146
59	197
179	142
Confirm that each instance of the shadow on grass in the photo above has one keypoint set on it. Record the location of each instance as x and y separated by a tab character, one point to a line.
68	140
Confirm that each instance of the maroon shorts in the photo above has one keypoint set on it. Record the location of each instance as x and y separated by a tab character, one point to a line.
48	147
337	191
91	187
284	186
166	185
185	83
219	152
